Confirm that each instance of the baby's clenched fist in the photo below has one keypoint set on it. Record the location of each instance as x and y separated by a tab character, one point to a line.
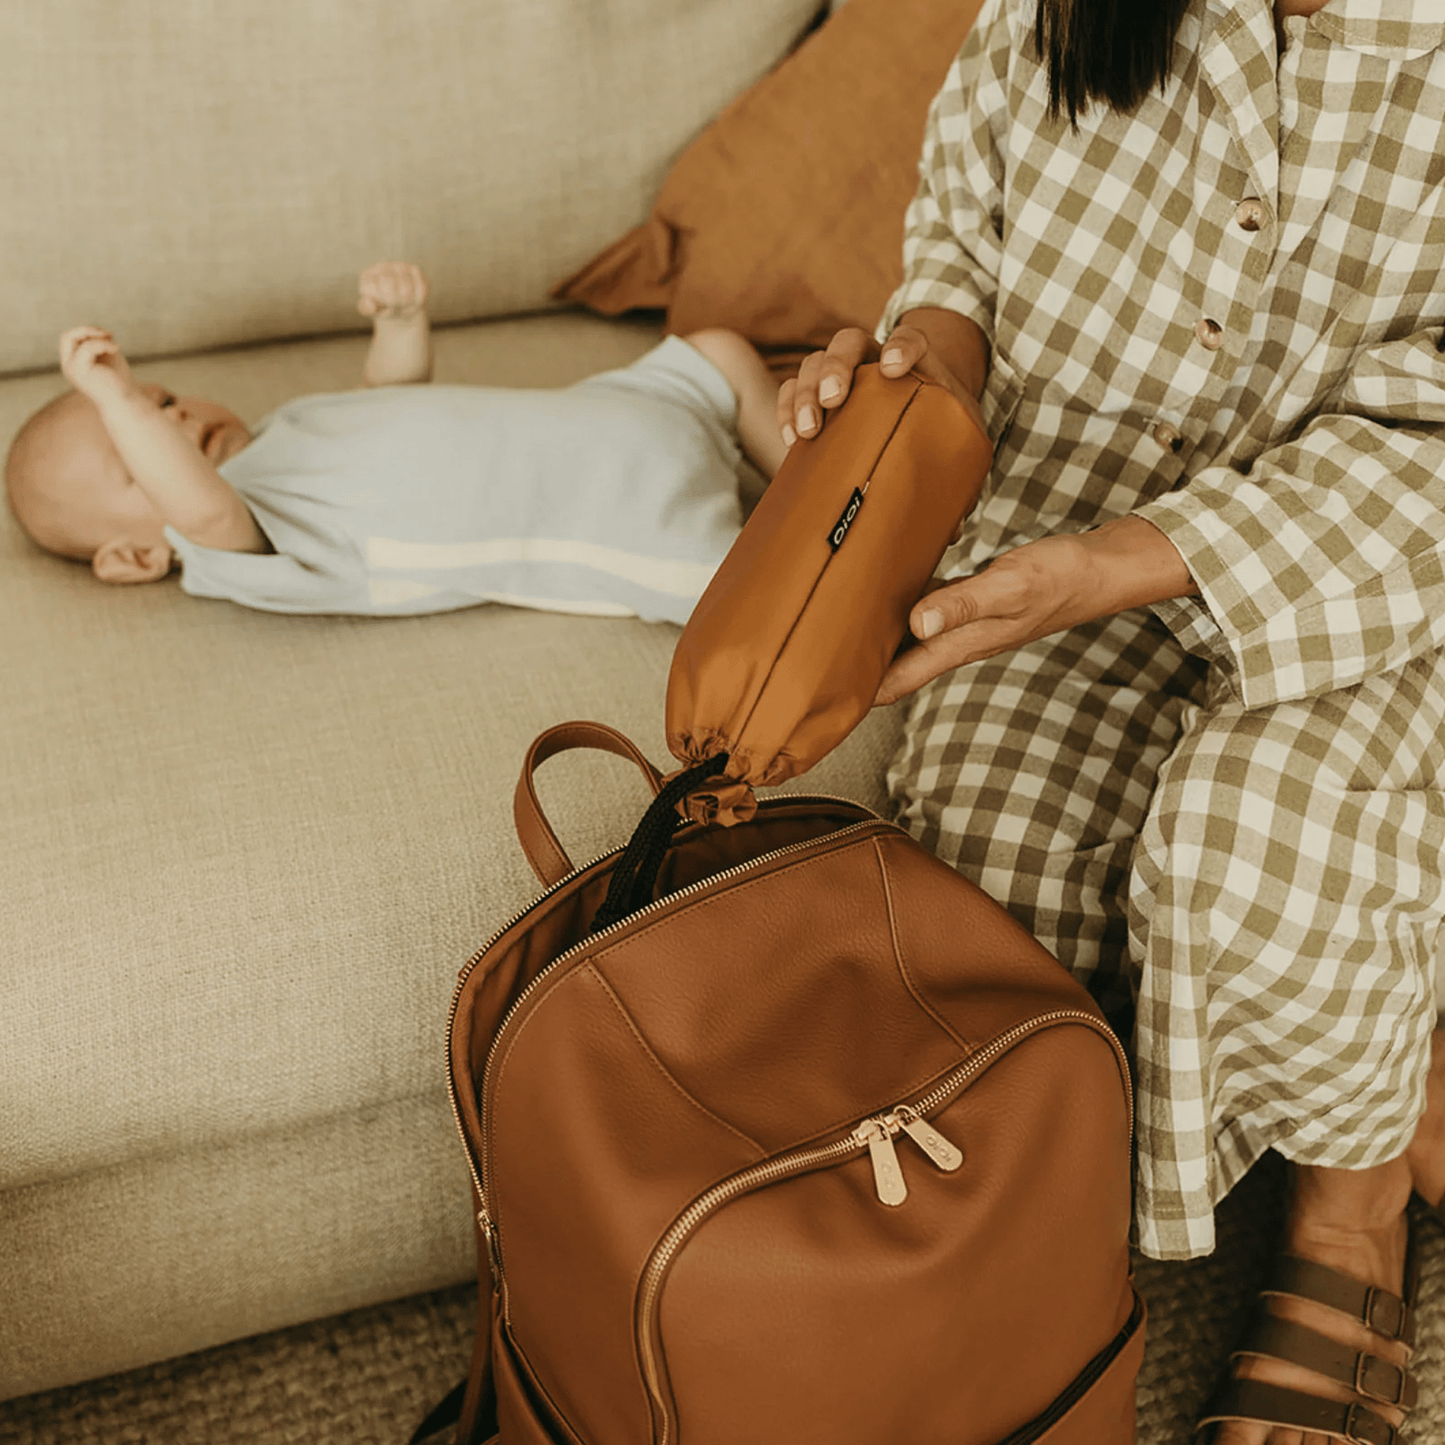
92	363
392	288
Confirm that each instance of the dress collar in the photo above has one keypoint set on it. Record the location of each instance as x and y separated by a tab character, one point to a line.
1397	29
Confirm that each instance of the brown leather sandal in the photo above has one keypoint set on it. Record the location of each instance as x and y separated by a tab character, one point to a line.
1374	1380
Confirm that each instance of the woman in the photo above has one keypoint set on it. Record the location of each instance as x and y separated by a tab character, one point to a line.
1184	709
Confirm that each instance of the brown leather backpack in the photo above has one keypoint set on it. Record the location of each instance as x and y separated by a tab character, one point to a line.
780	1130
821	1146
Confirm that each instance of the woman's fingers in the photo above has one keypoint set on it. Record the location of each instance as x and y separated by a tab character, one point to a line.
798	408
826	377
807	410
846	352
909	671
1037	589
903	350
952	631
822	383
786	429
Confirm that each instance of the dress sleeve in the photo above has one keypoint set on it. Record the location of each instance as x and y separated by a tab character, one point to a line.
952	246
268	581
1324	563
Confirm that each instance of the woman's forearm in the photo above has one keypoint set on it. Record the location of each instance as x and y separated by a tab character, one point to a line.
1135	565
1036	589
955	341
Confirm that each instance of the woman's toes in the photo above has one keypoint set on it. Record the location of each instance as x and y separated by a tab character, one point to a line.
1236	1434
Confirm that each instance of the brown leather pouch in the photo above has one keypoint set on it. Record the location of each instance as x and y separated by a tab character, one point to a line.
784	652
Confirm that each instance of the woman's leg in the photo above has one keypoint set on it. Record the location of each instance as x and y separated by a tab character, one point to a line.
1031	773
1354	1222
1286	904
1286	899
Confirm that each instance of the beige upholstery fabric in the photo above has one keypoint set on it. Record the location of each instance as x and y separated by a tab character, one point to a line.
201	174
109	1270
245	856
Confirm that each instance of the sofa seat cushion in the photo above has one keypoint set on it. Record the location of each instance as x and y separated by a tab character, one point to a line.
247	853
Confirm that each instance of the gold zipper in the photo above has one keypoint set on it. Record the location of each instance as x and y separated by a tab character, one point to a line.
484	1219
477	1167
874	1134
878	1134
466	972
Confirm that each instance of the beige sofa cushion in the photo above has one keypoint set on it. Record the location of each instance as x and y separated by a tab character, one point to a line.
202	174
247	853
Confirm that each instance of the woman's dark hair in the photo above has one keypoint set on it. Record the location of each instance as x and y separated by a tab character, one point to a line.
1114	51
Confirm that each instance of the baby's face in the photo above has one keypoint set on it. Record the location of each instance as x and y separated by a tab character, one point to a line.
81	493
215	431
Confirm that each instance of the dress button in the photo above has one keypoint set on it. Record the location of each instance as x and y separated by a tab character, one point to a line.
1168	436
1210	333
1249	214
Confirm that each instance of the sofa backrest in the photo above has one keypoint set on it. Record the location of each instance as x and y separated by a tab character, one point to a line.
201	174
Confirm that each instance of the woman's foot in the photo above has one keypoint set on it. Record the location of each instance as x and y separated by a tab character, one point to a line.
1354	1221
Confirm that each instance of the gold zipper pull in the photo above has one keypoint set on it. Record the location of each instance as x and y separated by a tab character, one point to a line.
887	1176
484	1222
947	1156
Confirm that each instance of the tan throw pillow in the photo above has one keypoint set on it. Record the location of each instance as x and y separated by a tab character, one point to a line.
784	219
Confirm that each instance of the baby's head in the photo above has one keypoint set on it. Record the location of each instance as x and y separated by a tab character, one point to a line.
74	496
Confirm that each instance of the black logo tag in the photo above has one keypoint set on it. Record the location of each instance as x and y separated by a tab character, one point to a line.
840	527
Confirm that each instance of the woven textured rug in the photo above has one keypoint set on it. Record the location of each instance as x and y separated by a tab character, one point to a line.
368	1377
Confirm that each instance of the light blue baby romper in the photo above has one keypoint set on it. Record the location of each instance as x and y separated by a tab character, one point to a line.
617	496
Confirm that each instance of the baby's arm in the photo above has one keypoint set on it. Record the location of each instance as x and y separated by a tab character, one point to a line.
394	295
756	390
188	492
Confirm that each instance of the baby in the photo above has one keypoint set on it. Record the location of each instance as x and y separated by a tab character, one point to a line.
616	496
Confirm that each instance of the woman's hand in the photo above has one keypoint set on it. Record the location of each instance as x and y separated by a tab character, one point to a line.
941	345
1034	590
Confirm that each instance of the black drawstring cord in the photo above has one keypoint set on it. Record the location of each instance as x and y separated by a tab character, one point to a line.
635	875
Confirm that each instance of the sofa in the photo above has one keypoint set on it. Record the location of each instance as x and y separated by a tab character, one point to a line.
245	854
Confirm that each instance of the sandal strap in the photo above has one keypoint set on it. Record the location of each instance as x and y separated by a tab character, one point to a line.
1366	1374
1257	1403
1389	1316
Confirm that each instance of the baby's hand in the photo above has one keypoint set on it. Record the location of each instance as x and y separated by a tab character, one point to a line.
91	362
392	288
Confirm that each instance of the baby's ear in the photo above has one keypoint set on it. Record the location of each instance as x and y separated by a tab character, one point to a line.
123	560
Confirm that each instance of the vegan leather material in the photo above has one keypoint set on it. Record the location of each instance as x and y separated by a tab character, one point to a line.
783	653
539	843
682	1235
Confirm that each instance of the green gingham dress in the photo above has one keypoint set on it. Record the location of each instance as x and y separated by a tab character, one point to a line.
1224	313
